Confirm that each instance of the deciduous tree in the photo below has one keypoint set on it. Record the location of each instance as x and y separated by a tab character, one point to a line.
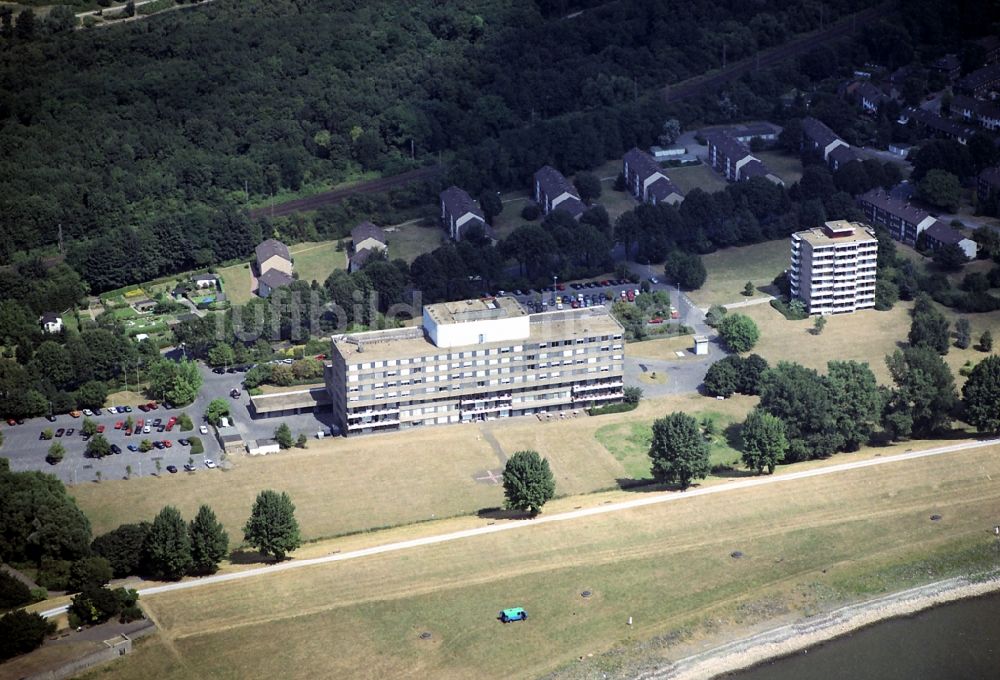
528	482
981	395
272	528
678	451
764	441
739	332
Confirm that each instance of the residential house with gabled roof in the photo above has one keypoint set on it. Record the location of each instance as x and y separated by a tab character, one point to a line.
980	81
983	113
820	139
646	181
733	159
552	191
988	188
272	256
51	322
936	125
939	235
905	222
950	66
271	280
205	280
459	212
367	240
870	97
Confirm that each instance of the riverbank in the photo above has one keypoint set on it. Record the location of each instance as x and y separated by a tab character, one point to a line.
794	637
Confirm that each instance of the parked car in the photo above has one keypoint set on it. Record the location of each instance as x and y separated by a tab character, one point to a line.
152	406
11	422
132	447
167	443
157	422
100	429
167	405
60	432
119	424
210	464
75	414
128	409
172	469
115	448
128	431
147	429
97	411
189	468
161	428
70	431
653	280
203	429
219	370
158	444
143	408
183	442
87	412
139	423
234	393
50	418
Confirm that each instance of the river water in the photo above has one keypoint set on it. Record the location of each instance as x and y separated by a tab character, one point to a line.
956	641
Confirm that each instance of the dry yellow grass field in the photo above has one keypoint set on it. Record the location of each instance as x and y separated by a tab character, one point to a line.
807	545
867	335
341	486
664	349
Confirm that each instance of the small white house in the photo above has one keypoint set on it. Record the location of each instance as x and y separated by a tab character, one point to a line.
205	280
51	322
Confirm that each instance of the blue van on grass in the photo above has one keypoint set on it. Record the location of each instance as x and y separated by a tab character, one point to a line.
513	614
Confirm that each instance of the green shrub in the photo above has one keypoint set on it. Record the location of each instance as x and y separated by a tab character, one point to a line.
612	408
13	593
196	445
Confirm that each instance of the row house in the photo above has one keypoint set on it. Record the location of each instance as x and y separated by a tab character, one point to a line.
936	125
368	241
552	191
988	185
646	181
985	114
820	139
732	158
906	222
459	213
980	81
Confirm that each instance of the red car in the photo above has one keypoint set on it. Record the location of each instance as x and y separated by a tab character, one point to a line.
656	319
560	287
152	406
100	429
128	431
139	423
11	422
119	425
168	443
630	295
143	407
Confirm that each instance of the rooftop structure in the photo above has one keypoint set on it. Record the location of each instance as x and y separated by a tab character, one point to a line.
552	191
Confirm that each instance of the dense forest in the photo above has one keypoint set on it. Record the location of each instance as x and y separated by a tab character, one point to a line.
142	142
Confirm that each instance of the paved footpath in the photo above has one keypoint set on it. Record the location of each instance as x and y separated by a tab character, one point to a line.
652	499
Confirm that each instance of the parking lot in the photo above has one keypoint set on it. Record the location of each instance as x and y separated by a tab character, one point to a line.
26	449
584	294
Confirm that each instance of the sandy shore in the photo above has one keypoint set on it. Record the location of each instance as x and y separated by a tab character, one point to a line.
794	637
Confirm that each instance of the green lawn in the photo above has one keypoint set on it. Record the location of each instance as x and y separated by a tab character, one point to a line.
729	270
236	283
510	219
411	240
785	166
629	443
696	176
316	261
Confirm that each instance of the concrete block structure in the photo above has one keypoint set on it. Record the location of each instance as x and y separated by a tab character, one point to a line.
834	267
475	360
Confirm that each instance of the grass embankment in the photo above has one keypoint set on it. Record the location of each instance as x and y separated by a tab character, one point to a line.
237	282
729	270
696	177
409	241
806	545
